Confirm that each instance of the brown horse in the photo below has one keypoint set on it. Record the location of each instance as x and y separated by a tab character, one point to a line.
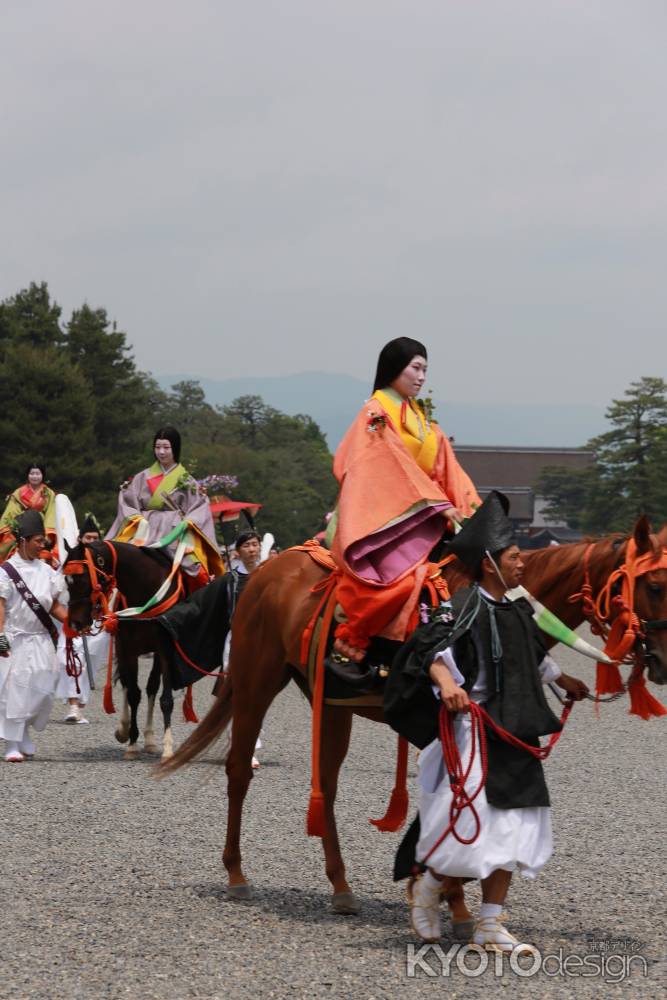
276	606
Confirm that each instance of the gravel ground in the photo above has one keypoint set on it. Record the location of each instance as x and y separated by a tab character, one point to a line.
113	882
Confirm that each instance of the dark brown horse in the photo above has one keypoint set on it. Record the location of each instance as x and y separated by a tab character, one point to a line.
276	606
138	574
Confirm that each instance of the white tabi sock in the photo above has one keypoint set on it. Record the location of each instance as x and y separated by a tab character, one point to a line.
431	881
490	910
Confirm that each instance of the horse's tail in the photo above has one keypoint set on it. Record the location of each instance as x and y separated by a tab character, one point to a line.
207	732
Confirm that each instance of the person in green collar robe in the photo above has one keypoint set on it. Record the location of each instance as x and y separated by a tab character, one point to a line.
157	499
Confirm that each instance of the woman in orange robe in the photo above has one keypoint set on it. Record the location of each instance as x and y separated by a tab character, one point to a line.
33	495
401	486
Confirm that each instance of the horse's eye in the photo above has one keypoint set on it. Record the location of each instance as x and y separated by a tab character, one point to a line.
69	580
654	589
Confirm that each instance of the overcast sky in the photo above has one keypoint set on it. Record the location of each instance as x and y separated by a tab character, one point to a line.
274	187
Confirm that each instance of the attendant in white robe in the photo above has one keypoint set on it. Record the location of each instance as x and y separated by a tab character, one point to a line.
28	662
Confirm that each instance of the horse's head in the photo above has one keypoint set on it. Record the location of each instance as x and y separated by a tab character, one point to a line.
83	603
651	600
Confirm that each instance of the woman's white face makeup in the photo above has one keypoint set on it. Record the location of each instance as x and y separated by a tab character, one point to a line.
164	453
410	381
35	478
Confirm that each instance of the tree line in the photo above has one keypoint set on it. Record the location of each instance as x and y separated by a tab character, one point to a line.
75	400
628	474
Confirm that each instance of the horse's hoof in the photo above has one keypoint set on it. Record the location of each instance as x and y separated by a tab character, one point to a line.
345	902
240	891
122	736
166	755
131	753
462	930
150	747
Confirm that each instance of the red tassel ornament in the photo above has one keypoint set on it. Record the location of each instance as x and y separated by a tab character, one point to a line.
189	713
315	822
608	679
642	702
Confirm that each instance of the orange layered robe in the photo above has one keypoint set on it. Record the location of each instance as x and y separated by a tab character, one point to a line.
22	499
398	477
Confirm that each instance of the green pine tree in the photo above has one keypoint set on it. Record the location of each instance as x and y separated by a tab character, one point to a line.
30	317
49	419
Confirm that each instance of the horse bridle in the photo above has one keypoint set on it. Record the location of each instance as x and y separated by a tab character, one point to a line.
95	565
614	606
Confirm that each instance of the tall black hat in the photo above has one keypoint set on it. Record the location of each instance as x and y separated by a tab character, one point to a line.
28	524
488	530
90	523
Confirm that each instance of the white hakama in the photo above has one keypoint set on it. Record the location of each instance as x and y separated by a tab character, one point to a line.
513	839
28	676
98	650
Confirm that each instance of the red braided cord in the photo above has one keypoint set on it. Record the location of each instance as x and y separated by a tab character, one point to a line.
206	673
461	799
73	665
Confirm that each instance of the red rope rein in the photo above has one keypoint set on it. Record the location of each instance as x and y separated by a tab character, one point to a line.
459	773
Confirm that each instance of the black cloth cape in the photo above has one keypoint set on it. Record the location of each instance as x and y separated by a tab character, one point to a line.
200	625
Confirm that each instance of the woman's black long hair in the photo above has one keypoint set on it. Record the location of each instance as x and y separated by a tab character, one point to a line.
36	465
394	357
171	435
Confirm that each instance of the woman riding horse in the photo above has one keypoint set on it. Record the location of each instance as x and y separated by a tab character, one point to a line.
400	487
157	499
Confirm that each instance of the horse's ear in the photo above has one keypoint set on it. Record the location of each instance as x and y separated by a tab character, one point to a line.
67	548
643	535
662	536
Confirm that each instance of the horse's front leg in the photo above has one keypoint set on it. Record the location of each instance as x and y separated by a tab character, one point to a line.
130	678
336	731
152	688
122	732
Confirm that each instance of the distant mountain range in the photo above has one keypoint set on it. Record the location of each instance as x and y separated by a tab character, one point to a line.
333	401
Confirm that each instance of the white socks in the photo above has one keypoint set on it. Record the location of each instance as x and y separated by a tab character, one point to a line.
26	746
431	881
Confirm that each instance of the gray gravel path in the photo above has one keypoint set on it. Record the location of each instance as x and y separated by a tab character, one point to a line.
113	883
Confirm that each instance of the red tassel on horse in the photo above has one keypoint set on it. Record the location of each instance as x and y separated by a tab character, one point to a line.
397	810
189	713
107	698
642	702
608	679
315	821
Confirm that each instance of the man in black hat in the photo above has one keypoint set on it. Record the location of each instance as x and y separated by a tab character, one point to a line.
90	530
487	649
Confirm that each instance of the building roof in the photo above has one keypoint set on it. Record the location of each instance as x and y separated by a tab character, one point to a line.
504	468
